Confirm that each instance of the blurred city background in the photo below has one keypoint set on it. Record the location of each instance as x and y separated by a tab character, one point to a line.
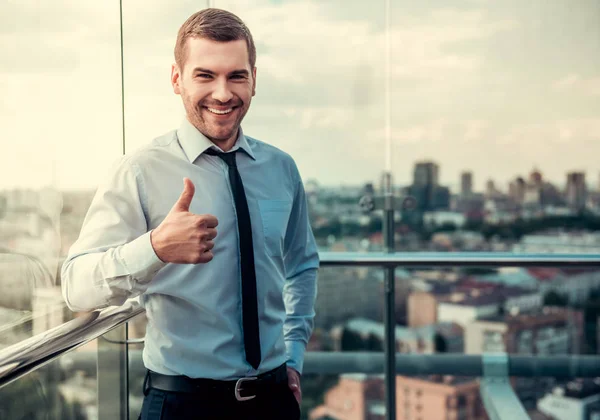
495	135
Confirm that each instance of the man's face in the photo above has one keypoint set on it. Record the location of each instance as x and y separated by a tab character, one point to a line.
216	85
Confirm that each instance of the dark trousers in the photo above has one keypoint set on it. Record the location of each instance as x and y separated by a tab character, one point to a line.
276	403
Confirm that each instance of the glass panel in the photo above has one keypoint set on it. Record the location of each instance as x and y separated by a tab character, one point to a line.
493	105
318	96
60	122
65	388
136	331
497	102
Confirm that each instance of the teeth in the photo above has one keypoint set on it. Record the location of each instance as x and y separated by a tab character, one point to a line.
216	111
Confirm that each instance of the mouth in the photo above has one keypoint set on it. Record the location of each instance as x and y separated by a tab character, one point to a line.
220	111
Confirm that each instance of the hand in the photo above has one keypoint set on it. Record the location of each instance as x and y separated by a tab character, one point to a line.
184	237
294	383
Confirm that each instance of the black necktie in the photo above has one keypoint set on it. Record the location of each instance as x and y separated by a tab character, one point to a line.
249	296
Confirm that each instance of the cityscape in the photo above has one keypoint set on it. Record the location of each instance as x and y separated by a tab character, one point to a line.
483	116
528	311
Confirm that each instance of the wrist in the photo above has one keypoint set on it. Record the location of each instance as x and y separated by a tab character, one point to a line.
155	242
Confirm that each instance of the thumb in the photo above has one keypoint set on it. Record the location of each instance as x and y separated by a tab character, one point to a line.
185	199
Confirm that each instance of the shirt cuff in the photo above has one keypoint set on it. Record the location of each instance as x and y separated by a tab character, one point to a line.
294	352
140	259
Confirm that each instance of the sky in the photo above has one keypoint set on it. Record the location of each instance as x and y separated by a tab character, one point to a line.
496	88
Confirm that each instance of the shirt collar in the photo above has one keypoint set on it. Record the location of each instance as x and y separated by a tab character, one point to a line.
194	143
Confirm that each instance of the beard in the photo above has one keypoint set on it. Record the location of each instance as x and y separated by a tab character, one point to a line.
217	129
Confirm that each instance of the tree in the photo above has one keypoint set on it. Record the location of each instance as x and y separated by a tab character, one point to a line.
440	343
553	298
352	341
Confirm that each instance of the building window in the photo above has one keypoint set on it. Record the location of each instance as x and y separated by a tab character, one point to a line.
493	342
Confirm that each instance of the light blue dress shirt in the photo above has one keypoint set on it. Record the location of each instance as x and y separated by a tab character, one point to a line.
194	311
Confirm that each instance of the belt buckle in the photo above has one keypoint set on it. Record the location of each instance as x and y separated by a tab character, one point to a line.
238	388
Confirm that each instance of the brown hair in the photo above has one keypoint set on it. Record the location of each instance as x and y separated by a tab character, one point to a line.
216	25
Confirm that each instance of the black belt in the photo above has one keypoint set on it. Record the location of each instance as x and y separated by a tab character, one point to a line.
242	389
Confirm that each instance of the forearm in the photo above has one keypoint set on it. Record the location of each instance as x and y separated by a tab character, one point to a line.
299	296
95	279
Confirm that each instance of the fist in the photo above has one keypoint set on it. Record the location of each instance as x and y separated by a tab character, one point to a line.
294	384
184	237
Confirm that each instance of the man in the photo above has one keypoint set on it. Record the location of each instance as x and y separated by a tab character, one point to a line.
229	316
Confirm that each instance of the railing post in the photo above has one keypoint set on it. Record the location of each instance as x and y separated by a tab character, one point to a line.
496	391
113	374
389	305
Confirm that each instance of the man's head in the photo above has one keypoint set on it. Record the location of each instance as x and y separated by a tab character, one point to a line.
215	73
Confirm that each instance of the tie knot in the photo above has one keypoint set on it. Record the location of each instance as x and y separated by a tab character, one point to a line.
228	158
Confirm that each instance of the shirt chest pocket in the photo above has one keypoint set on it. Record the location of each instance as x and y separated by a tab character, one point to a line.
275	215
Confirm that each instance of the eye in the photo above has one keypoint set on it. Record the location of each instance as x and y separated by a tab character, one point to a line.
204	75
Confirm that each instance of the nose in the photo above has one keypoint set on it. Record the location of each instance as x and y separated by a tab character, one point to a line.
222	93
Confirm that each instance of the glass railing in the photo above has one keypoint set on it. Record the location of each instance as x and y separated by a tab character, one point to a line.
91	367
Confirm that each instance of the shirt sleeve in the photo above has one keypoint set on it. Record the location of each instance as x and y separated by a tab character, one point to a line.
301	261
113	259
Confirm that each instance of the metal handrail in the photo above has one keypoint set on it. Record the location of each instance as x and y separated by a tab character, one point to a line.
451	364
29	354
458	259
390	260
26	356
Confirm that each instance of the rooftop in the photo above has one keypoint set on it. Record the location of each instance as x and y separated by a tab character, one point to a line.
537	315
467	296
579	388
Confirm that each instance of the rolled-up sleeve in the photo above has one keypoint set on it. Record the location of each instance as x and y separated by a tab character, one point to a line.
301	261
113	259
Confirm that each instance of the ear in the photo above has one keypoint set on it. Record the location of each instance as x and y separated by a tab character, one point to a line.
175	78
254	81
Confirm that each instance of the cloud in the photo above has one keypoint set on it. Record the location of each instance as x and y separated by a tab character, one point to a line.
572	131
423	48
574	83
460	93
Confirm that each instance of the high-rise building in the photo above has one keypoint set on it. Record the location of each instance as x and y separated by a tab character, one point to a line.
438	397
516	190
360	397
549	331
426	174
355	397
466	183
426	189
536	178
490	189
576	190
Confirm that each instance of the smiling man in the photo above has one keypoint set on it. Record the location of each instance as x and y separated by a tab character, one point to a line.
229	315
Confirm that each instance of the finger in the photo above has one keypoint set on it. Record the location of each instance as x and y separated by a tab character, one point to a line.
205	257
292	376
210	234
298	396
210	221
185	199
209	245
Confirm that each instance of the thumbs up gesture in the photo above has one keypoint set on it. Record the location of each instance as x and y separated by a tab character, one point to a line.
184	237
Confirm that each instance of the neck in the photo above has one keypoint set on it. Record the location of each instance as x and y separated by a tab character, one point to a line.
226	145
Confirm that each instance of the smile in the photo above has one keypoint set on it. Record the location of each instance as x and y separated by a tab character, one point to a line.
219	111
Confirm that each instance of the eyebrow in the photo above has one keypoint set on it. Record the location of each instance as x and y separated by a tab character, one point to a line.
234	72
